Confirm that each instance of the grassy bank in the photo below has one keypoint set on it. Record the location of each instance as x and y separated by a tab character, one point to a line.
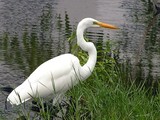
99	99
108	94
111	94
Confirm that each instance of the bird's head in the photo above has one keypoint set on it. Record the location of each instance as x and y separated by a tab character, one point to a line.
90	22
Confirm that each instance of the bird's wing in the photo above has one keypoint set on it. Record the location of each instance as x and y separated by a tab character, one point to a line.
56	72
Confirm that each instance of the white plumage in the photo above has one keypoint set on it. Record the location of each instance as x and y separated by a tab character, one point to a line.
59	74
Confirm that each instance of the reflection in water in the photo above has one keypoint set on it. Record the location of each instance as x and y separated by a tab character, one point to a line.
33	48
141	46
33	43
150	58
32	32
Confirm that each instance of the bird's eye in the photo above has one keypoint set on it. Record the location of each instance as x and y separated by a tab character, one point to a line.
94	23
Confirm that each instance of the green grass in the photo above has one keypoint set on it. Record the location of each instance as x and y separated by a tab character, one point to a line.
97	100
111	94
108	94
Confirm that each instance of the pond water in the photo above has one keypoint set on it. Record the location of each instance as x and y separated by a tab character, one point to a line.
34	31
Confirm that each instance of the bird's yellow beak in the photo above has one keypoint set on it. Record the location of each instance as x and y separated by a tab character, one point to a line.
105	25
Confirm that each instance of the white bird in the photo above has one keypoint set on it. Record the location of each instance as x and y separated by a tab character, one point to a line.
61	73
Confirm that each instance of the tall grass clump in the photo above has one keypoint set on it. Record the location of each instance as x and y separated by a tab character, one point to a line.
108	94
111	94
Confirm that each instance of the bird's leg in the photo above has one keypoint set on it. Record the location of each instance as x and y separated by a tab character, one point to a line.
58	98
68	104
7	106
47	107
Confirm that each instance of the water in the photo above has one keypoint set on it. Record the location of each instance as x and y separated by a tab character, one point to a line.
34	31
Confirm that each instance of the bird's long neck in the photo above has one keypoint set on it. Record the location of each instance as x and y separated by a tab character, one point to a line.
89	47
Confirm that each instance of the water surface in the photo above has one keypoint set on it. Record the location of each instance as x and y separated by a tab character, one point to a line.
34	31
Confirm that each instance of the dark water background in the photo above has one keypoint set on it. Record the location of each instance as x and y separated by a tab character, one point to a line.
34	31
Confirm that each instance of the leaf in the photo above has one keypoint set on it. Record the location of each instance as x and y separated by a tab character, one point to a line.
73	35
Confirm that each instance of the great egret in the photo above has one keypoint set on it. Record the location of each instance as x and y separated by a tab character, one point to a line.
59	74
